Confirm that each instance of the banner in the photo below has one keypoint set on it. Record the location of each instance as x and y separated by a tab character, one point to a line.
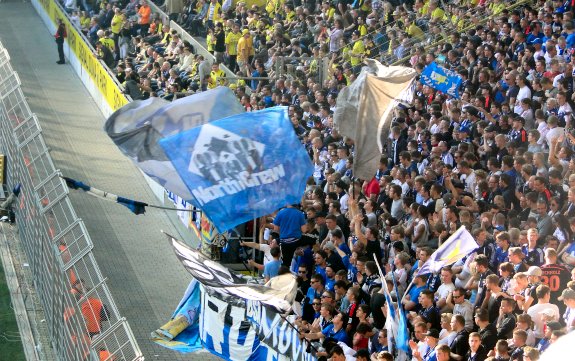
241	167
212	274
276	332
229	327
364	111
439	78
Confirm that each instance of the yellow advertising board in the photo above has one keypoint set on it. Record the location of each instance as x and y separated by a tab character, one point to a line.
102	79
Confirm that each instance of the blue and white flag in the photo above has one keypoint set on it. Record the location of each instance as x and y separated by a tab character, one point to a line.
402	341
136	207
391	321
439	78
182	332
459	245
241	167
137	127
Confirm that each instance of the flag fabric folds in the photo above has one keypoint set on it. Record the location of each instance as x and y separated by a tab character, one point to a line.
241	167
439	78
137	127
135	206
459	245
182	332
215	276
364	111
402	340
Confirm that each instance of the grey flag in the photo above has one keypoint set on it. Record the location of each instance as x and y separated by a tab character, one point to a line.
364	111
137	127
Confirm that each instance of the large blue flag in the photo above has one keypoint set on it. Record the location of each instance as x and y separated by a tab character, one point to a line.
459	245
441	79
241	167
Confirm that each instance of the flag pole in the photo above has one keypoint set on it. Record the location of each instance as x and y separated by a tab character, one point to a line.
407	288
309	342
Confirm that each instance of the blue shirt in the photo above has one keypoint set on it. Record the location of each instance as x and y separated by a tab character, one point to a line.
290	221
500	257
329	283
321	270
340	166
414	294
570	40
340	335
272	268
311	295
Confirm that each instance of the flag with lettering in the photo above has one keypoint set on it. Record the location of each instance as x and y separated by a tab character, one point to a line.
241	167
442	79
216	276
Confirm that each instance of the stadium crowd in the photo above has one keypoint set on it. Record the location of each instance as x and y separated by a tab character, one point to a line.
498	161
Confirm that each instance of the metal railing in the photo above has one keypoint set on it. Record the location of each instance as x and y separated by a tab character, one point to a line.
82	318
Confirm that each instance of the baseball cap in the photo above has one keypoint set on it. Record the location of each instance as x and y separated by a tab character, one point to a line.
362	353
245	31
472	111
329	245
534	271
490	128
447	198
519	119
554	325
432	333
567	294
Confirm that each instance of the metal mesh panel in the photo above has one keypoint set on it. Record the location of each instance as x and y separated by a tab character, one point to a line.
27	129
82	317
16	107
4	57
9	84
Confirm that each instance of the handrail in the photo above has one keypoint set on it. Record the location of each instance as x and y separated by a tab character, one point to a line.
480	22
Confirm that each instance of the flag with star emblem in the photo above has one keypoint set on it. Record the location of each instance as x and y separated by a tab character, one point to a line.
459	245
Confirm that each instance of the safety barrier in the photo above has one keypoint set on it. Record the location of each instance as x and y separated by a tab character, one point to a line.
82	318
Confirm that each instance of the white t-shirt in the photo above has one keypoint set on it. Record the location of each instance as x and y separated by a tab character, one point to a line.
446	338
536	316
470	182
443	291
553	134
523	93
265	248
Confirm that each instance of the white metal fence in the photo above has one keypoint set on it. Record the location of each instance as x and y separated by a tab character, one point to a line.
82	318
